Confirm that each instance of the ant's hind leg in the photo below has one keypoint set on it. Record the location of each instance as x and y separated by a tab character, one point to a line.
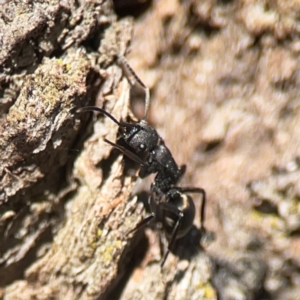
143	223
203	203
170	208
172	241
147	220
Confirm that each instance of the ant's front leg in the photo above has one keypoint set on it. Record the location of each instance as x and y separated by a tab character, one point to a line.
151	166
127	152
182	171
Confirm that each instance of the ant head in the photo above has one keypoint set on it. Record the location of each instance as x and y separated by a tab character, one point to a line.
140	136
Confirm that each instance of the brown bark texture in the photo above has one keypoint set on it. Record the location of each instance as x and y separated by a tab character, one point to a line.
225	96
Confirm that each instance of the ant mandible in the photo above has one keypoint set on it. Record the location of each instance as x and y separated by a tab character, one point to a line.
170	205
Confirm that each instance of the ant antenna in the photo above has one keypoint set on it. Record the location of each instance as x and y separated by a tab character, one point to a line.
98	109
95	108
133	79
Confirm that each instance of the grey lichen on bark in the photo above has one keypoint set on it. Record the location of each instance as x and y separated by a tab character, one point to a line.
63	221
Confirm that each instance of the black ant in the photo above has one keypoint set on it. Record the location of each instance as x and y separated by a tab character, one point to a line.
170	205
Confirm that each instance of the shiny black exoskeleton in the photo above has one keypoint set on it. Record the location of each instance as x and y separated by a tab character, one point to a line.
170	205
146	147
175	210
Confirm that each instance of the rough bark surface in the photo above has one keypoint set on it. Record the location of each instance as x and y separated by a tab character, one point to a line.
63	219
224	79
225	90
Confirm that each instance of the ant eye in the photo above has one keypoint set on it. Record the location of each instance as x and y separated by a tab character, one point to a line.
142	146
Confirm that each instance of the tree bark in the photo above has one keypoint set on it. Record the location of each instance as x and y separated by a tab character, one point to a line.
224	79
63	219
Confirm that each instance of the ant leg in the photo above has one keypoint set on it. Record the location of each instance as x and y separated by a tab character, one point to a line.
127	152
146	170
203	204
179	213
133	78
143	223
182	171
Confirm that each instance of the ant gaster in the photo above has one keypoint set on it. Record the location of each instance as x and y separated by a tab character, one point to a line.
169	205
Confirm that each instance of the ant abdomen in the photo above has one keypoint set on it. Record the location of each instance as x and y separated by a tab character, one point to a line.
186	212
